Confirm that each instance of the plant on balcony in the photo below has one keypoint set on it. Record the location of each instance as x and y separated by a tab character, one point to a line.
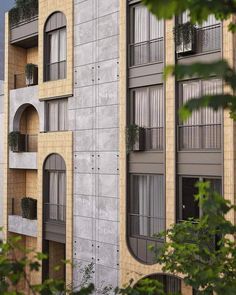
23	10
29	208
135	138
31	74
184	33
16	141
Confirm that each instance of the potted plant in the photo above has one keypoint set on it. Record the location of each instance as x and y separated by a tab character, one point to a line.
31	74
185	35
29	208
16	141
135	138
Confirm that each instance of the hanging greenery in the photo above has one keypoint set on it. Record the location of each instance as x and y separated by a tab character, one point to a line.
29	208
23	10
13	139
29	73
184	33
132	134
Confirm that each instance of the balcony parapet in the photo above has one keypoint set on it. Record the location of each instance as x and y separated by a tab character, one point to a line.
22	226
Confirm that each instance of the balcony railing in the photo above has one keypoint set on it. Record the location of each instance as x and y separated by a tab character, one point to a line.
151	51
56	71
208	39
154	138
200	137
145	226
31	145
54	213
20	80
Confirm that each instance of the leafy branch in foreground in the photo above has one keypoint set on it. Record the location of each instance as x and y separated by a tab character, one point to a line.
219	69
203	250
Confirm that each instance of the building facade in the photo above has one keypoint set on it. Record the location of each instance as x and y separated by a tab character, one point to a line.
81	77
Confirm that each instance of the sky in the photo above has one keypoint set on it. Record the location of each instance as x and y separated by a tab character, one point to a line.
4	6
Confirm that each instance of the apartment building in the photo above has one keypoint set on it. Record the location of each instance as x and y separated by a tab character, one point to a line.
79	75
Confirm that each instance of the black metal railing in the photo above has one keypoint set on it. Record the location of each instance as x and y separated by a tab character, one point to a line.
199	137
154	138
146	52
54	212
20	80
145	226
56	71
31	143
208	38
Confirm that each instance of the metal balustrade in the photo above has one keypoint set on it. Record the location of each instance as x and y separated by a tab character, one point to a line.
54	212
199	137
151	51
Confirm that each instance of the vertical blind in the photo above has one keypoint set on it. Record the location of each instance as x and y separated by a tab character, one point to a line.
57	115
147	205
149	113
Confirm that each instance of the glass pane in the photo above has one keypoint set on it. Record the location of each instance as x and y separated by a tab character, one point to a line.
63	115
62	45
53	116
53	45
141	105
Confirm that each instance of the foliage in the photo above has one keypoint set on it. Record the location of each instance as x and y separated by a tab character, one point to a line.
132	133
29	208
199	11
203	250
23	10
184	33
13	138
29	71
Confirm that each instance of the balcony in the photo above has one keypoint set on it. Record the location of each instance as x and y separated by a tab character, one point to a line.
21	81
199	137
24	25
205	40
55	222
19	225
151	51
23	217
24	155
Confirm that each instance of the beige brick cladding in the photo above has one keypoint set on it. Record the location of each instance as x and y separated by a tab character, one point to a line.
63	87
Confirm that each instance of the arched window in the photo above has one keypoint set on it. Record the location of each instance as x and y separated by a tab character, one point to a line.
55	54
55	189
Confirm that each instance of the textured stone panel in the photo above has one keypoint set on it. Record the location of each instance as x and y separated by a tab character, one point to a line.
108	25
107	231
107	209
108	185
83	227
84	206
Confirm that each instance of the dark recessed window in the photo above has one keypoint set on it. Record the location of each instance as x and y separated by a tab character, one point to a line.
57	115
55	47
147	110
146	214
203	129
146	36
187	206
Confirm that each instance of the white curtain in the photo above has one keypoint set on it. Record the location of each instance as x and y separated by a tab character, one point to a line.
53	195
141	34
53	115
156	117
190	132
141	113
63	116
151	202
62	195
62	45
54	54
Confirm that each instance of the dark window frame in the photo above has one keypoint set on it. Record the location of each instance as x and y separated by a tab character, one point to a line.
131	119
47	33
58	101
149	41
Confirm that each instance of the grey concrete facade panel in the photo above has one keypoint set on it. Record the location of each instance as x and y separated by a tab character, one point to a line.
23	160
96	143
19	225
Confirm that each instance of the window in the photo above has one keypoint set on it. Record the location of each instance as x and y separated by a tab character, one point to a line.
208	34
57	115
55	47
203	129
146	215
147	110
55	188
188	207
146	44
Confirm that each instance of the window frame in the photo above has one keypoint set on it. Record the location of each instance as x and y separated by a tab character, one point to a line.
59	102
